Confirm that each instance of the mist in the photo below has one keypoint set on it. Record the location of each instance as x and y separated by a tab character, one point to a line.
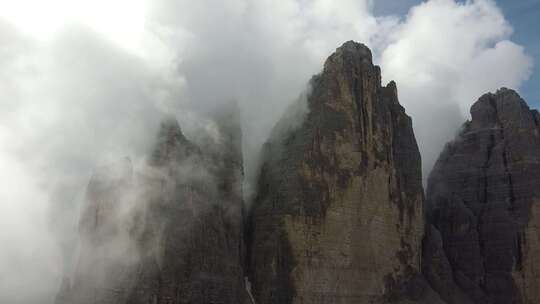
79	96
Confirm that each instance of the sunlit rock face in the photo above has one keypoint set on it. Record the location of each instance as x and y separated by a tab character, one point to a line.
483	197
171	233
338	216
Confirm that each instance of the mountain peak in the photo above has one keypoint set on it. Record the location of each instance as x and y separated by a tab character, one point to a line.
483	198
349	55
171	142
498	109
169	127
356	49
350	168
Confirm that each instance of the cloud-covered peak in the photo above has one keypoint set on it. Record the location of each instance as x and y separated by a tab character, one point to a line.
83	97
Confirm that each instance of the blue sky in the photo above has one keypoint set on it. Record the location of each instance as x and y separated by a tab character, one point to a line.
523	15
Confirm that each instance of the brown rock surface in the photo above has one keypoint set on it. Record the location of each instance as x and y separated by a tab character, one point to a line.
483	197
338	216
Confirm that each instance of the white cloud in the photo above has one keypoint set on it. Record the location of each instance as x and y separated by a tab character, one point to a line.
25	257
68	105
444	56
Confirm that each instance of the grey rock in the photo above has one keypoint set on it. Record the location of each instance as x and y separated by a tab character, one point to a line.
483	197
170	233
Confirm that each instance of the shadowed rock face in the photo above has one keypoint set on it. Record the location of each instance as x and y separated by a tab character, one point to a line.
171	233
483	196
338	216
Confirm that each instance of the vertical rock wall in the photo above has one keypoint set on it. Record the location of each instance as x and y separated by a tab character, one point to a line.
483	197
338	216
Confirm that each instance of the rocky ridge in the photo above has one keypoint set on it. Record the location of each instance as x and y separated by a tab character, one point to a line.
483	198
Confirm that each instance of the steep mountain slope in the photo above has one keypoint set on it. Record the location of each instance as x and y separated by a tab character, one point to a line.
171	233
484	197
338	216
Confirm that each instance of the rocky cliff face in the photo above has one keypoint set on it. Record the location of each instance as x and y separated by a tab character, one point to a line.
483	197
338	216
171	233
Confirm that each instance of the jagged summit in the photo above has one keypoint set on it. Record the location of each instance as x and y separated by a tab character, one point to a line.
500	109
172	233
338	214
353	49
171	144
170	130
350	58
483	196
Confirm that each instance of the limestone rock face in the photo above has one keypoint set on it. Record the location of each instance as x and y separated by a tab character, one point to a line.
437	269
338	216
484	196
171	233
